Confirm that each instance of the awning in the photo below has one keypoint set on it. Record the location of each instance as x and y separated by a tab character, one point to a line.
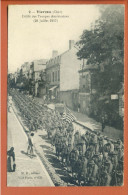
51	89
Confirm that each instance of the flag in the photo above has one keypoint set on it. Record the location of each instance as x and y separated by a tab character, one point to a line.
68	116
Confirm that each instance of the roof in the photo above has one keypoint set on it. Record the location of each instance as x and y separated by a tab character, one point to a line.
57	58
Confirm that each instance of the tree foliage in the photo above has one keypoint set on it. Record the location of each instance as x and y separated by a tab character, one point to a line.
103	45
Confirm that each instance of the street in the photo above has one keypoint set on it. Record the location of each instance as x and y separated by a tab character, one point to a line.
29	171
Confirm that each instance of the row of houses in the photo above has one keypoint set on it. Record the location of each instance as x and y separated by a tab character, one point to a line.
65	78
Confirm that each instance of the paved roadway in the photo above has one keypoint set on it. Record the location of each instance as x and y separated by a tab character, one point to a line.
29	172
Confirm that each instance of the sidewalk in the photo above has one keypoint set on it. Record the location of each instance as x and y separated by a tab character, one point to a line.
92	124
84	120
29	171
46	153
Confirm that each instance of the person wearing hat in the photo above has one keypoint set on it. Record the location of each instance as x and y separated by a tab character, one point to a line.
119	177
92	171
89	153
84	170
108	166
119	143
120	166
113	157
97	159
78	169
65	154
114	160
11	166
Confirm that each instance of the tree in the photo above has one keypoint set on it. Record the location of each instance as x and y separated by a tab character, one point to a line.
23	82
103	45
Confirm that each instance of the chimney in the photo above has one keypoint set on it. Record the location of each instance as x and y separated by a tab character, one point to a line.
71	44
54	53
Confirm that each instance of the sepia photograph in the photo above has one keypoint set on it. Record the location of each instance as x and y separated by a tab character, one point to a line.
65	95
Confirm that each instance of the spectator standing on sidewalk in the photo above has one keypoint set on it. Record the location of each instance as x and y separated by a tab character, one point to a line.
11	166
30	144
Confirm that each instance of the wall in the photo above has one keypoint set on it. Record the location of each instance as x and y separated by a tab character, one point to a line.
49	73
66	97
84	103
41	92
70	98
69	76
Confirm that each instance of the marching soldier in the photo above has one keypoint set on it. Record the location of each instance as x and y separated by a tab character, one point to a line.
92	172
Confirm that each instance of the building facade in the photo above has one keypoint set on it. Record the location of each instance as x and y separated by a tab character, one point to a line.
87	90
37	67
63	76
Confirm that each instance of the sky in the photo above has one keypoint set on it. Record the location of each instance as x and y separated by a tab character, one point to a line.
30	37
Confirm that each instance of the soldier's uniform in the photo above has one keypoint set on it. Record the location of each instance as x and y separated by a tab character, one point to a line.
119	177
108	166
114	161
84	170
73	159
106	179
93	172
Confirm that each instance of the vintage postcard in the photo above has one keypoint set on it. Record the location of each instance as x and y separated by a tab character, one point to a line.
65	96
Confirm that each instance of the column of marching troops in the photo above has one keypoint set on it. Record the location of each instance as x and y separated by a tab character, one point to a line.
91	158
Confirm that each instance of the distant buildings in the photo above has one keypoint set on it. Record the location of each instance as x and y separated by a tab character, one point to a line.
25	69
64	78
36	67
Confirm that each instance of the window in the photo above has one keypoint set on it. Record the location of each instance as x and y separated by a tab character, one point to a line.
50	77
58	75
53	76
